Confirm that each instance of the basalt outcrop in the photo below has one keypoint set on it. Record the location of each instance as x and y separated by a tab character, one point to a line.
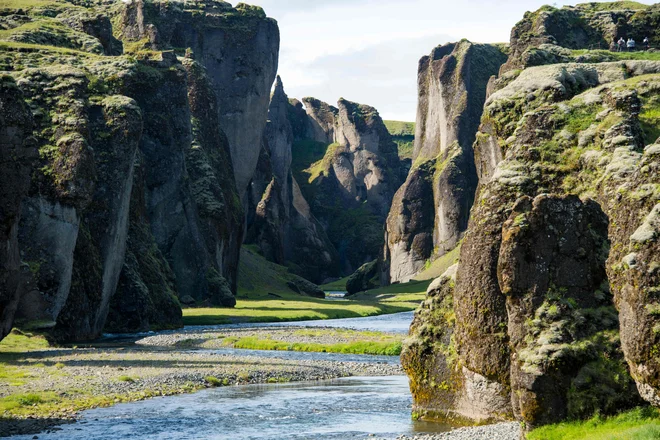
133	199
17	160
553	308
430	211
348	169
280	220
519	314
239	48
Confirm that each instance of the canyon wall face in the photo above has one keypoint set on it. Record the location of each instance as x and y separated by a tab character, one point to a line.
552	311
348	169
430	211
17	159
134	199
283	225
239	48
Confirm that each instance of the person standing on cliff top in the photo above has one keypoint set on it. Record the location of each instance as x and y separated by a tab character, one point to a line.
631	44
647	44
622	44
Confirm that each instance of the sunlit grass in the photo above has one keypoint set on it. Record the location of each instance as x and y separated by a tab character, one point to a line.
392	348
638	424
298	309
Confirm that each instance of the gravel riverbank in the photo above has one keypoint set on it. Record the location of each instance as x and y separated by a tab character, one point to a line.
501	431
211	339
70	380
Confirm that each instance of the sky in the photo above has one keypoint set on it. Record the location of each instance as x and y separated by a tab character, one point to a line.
367	50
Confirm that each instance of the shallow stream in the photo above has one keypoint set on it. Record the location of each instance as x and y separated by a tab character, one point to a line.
348	408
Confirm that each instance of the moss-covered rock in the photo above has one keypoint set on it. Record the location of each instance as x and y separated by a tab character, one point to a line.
562	321
90	111
348	169
562	134
239	48
543	36
365	278
146	296
280	220
17	158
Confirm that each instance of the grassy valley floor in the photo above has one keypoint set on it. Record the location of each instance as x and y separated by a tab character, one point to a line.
322	340
265	296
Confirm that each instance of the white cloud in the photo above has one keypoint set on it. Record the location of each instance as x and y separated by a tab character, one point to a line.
367	50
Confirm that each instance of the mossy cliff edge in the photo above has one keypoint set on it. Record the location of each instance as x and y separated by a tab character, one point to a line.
125	123
553	310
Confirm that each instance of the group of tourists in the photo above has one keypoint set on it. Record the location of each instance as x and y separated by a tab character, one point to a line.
622	45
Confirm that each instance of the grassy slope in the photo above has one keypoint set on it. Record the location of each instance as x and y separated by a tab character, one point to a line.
257	277
336	285
621	56
403	133
638	424
614	6
440	266
263	296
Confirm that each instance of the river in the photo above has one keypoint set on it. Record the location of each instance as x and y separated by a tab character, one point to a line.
347	408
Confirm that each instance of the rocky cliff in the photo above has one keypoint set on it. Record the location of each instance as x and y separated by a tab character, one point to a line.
430	211
239	48
17	159
348	168
553	307
282	223
133	201
549	35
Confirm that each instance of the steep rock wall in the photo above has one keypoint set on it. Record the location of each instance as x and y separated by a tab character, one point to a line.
17	154
283	225
452	85
563	129
239	47
79	240
348	170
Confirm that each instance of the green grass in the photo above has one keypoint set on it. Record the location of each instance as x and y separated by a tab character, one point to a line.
22	402
360	347
263	296
396	292
400	128
126	379
613	6
258	277
439	266
26	5
215	382
621	56
336	285
649	119
638	424
296	308
403	134
18	342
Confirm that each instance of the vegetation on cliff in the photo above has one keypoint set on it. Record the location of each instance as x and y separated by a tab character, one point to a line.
529	340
